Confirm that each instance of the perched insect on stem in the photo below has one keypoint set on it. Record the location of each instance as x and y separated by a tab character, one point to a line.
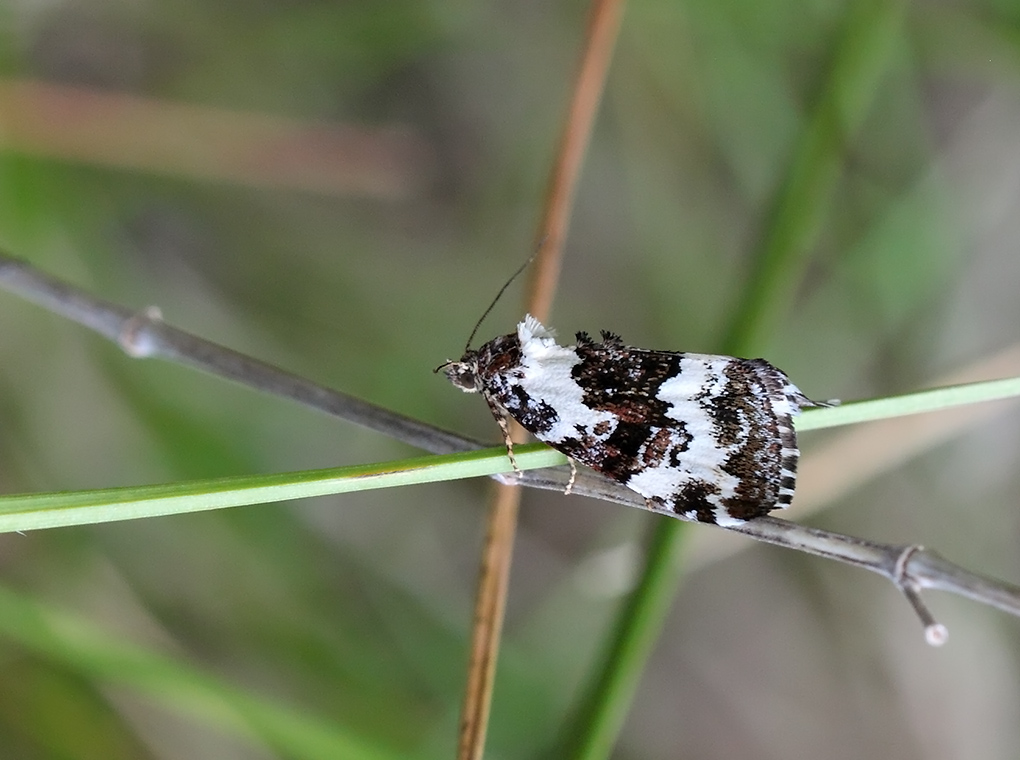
708	437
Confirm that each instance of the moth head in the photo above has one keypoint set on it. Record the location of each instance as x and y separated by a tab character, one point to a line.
464	373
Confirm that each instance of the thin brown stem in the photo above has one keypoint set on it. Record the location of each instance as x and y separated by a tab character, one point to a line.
602	31
106	128
600	39
493	581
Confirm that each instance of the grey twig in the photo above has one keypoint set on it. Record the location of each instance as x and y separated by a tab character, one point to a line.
908	567
144	334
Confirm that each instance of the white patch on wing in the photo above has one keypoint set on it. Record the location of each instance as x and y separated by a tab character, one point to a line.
783	405
545	376
701	378
664	482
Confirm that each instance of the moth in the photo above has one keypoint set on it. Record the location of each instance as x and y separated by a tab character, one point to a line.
707	437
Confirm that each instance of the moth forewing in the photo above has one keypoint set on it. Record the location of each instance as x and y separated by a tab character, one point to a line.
707	437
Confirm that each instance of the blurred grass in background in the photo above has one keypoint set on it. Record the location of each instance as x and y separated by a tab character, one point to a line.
340	188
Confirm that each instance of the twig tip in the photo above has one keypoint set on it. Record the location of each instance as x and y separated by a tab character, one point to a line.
936	634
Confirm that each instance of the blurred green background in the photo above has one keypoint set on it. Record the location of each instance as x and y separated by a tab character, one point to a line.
340	188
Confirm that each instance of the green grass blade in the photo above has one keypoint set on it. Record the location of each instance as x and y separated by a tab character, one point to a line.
797	214
52	510
802	202
918	402
66	639
605	704
33	511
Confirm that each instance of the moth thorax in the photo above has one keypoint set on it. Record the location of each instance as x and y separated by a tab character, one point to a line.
463	374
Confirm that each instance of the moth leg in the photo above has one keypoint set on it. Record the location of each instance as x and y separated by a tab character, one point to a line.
573	476
653	504
501	419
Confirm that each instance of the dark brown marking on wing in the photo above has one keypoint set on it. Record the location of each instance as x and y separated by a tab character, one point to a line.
625	382
499	360
693	497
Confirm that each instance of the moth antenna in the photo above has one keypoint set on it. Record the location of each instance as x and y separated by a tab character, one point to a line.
499	295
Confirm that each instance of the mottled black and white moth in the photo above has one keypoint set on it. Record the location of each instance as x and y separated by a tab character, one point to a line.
707	437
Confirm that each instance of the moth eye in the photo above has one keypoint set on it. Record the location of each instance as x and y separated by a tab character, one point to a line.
462	375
